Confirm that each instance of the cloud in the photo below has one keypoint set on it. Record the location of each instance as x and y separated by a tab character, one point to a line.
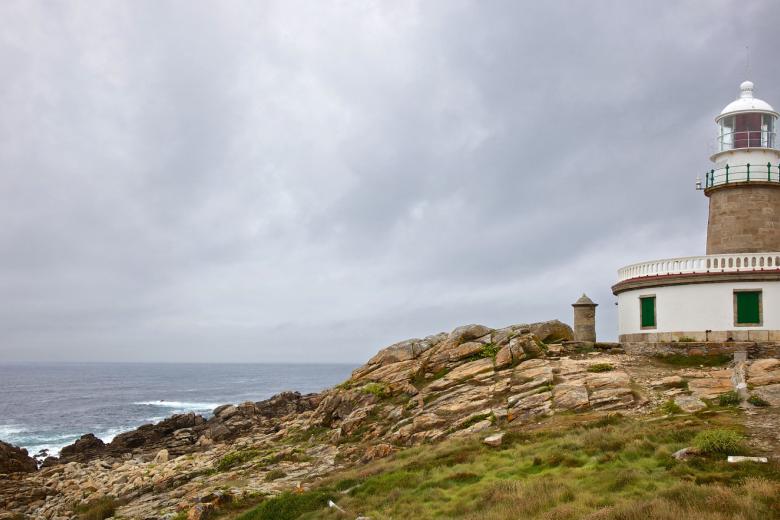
297	181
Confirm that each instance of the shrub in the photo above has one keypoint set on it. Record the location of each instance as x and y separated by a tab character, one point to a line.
718	441
274	474
757	400
489	351
671	408
99	509
729	399
685	339
378	389
601	367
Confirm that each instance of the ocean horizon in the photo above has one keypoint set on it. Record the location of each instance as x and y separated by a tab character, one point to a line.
45	406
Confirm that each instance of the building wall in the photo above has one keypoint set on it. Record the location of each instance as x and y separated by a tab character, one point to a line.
744	218
689	310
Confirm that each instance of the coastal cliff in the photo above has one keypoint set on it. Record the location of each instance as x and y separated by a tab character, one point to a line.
472	383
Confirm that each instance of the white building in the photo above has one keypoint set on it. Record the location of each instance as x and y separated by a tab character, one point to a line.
732	292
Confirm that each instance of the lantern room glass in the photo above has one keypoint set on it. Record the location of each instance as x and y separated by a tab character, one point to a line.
747	130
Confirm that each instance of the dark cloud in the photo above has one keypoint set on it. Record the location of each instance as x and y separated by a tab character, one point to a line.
298	181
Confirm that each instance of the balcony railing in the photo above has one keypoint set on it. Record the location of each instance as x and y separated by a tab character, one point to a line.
702	264
731	174
746	139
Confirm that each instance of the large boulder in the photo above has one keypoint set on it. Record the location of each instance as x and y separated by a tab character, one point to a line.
87	447
551	331
287	403
403	351
15	460
764	372
156	436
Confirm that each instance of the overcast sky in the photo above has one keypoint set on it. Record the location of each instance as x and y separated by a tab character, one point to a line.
311	181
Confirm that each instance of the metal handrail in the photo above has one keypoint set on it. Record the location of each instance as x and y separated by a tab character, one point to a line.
738	173
746	139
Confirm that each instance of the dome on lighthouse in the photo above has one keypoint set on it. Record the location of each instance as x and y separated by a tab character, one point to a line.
746	102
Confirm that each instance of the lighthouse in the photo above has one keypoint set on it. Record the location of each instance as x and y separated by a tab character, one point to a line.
732	293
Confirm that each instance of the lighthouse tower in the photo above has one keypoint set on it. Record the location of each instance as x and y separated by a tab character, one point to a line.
732	292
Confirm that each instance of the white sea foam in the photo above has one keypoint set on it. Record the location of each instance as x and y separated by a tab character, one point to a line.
181	405
9	432
109	435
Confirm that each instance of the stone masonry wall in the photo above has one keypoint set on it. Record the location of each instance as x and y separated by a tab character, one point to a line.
754	349
712	336
744	219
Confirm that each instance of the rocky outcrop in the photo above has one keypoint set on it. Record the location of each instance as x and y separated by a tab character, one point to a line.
763	375
87	447
466	381
185	433
15	460
473	380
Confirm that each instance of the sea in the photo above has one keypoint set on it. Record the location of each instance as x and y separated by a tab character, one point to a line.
45	406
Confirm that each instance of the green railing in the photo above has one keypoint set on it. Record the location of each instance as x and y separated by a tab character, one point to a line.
737	173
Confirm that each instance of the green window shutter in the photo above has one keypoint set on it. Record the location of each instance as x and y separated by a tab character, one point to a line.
647	311
748	307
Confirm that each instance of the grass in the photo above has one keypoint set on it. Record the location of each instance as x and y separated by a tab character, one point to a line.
719	441
568	467
99	509
288	506
681	360
729	399
601	367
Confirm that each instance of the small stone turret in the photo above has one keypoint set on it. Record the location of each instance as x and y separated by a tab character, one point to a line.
584	319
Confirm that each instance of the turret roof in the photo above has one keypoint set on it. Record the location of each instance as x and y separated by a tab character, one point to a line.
584	300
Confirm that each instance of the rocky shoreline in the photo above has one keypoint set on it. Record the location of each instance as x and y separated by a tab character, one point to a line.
474	380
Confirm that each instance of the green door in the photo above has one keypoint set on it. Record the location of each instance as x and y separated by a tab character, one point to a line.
748	307
647	311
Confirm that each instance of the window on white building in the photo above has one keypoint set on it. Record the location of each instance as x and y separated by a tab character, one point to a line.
748	308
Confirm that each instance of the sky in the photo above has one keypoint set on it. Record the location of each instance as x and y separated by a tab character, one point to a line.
302	181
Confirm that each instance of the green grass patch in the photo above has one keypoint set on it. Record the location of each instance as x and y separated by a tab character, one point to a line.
288	506
719	441
380	390
601	367
566	467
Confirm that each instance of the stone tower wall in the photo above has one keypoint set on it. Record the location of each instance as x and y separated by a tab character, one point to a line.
744	218
585	322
